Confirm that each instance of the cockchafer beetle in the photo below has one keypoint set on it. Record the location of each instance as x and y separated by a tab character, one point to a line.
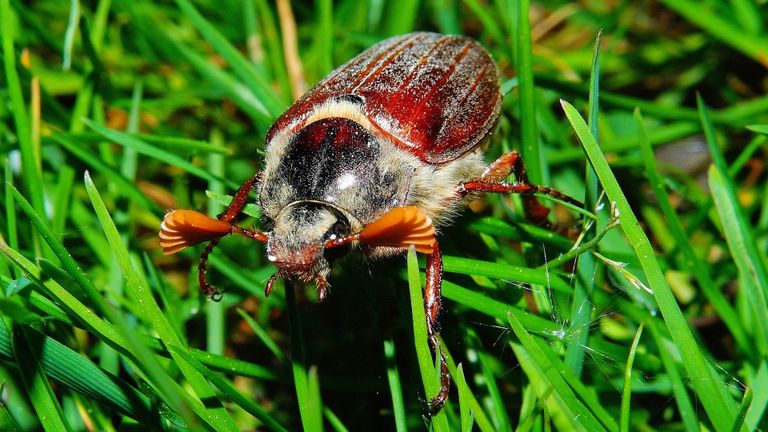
374	158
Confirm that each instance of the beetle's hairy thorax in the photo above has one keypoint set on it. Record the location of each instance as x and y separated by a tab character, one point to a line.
338	161
338	158
377	179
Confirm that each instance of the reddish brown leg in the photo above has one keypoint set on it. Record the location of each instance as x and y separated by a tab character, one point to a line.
433	305
271	284
492	180
235	207
323	288
207	288
239	200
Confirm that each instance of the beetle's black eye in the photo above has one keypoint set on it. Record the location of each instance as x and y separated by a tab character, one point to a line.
338	230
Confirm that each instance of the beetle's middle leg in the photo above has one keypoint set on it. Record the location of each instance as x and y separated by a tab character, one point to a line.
493	180
433	304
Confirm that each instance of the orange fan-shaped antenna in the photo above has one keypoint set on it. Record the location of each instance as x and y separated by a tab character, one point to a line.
401	227
182	228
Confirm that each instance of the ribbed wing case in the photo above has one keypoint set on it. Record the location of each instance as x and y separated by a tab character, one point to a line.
433	95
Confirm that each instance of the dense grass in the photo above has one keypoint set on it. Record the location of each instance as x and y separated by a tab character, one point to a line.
650	313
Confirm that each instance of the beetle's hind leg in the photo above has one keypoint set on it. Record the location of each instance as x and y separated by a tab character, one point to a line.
492	180
433	305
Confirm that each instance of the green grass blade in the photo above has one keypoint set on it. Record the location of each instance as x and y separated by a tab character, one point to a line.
429	376
309	418
30	156
140	146
61	252
481	419
679	389
393	378
402	16
241	66
261	333
80	374
125	343
230	391
334	421
529	135
153	315
71	33
240	94
324	40
692	262
507	272
215	314
567	400
626	393
759	404
7	422
94	161
314	403
10	209
36	382
714	23
738	234
710	389
497	309
495	399
739	238
588	269
741	415
465	400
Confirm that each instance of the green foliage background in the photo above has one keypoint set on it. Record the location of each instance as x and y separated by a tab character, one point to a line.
651	315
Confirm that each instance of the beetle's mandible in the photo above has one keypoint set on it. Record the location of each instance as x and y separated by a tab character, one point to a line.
373	159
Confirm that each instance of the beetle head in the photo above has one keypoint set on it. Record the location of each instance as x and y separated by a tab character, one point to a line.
296	244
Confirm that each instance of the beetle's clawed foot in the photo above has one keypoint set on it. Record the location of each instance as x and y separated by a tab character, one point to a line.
434	405
323	288
211	292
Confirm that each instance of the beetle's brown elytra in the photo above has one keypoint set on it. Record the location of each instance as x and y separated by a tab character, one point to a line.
373	159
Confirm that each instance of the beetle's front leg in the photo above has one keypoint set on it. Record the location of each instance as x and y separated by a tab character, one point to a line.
237	204
433	305
240	199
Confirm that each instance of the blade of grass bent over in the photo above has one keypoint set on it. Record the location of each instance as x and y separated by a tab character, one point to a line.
215	414
713	394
